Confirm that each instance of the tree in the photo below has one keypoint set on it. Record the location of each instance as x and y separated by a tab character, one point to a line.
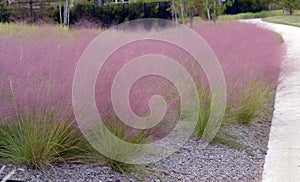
214	8
290	5
269	4
66	13
251	5
207	9
30	10
182	11
59	10
174	11
193	7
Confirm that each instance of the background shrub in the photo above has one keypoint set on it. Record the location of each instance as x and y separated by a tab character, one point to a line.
110	14
104	15
251	6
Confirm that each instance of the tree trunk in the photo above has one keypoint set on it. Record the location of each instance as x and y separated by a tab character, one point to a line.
60	15
191	15
175	11
30	11
68	16
291	11
182	11
66	13
8	10
215	12
207	9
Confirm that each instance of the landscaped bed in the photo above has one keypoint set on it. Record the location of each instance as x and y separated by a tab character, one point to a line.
39	134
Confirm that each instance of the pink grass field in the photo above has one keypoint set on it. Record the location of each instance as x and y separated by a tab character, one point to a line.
37	66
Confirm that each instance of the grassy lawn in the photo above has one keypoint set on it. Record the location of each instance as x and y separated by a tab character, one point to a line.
293	20
250	15
275	16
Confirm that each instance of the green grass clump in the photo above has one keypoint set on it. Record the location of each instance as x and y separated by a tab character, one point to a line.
115	152
39	141
250	101
205	98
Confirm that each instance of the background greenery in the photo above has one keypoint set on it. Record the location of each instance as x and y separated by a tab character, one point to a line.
34	11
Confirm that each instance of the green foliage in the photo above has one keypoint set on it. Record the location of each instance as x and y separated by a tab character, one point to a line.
105	15
249	15
22	12
38	141
199	7
215	9
290	5
109	14
292	20
193	7
205	109
115	148
251	6
248	104
250	101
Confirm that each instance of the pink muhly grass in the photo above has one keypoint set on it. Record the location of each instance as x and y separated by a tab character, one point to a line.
40	64
244	51
37	67
250	57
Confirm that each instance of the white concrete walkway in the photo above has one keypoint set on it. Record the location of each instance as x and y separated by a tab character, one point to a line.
283	157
